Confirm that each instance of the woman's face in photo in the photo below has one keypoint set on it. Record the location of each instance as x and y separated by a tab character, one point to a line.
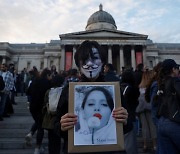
92	66
96	105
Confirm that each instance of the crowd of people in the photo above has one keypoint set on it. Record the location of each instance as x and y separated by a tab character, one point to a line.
147	95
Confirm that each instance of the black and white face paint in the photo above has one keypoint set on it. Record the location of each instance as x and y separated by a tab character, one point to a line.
92	67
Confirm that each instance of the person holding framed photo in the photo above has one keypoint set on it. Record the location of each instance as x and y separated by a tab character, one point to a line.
89	58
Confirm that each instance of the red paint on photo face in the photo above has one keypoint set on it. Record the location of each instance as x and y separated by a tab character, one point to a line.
97	115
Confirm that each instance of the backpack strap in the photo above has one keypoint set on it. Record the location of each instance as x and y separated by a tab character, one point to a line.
125	89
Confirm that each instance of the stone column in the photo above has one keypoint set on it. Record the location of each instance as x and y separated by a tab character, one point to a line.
109	54
121	55
4	60
73	61
45	62
58	63
144	55
156	60
62	62
133	59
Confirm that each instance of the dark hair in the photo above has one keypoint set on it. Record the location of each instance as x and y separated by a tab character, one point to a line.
53	67
128	77
164	73
57	81
140	67
35	68
4	64
72	72
108	96
45	72
110	66
11	65
34	73
162	76
85	50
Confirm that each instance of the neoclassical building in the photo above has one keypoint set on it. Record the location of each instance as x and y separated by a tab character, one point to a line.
123	49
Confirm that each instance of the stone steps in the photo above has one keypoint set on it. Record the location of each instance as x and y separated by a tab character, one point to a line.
14	129
19	151
22	112
17	143
20	133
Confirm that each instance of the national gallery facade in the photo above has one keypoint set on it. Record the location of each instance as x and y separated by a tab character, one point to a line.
123	49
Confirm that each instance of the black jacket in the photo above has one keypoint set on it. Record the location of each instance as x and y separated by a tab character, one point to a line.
111	76
138	77
2	85
130	95
167	99
37	93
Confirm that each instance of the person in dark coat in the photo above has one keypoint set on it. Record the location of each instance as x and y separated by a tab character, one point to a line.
168	110
130	94
54	141
89	59
2	85
39	87
138	74
34	74
53	71
109	73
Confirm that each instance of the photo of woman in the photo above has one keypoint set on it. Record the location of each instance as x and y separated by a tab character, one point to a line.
94	106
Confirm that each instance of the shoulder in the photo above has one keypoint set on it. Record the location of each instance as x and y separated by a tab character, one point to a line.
172	82
124	85
64	93
154	86
47	92
126	89
176	84
111	77
176	79
9	73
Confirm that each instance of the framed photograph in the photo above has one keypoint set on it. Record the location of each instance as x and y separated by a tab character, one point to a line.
96	129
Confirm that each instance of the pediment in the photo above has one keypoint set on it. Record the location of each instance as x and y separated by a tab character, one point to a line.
103	33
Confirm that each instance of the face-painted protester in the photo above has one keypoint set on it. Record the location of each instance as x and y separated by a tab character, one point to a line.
89	58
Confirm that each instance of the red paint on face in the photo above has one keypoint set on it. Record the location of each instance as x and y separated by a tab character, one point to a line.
98	115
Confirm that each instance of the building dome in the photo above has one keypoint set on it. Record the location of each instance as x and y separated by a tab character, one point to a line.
101	19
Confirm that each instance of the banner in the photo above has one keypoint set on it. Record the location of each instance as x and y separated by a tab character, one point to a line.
68	62
138	58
